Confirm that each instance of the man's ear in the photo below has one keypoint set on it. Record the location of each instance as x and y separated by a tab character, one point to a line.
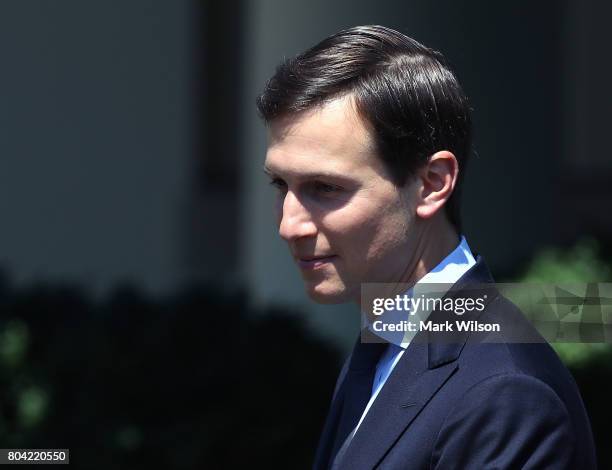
437	181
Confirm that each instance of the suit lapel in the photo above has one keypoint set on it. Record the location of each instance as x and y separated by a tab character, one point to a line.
407	391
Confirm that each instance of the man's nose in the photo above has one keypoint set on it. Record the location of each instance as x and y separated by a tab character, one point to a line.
295	219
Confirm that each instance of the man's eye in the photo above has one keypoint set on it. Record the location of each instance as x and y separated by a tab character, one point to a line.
278	183
326	188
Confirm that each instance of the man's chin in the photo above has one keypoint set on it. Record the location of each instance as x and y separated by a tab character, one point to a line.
328	296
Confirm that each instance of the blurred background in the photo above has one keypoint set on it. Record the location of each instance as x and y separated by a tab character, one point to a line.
149	313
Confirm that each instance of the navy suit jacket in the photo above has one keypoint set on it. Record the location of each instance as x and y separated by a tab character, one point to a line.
470	405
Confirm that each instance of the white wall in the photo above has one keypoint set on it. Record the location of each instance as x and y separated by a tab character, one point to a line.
94	140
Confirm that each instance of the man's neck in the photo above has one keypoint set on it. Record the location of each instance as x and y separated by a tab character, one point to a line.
436	241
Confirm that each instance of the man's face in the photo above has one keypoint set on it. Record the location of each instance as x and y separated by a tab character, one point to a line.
344	220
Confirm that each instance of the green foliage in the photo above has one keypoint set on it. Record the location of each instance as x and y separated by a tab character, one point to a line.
14	338
581	263
32	404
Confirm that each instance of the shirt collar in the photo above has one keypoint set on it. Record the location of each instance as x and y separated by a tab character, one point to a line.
448	271
451	268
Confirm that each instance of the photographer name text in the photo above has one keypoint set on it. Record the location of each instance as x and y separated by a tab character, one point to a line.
447	326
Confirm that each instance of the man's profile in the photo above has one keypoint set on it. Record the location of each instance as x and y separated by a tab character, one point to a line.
369	138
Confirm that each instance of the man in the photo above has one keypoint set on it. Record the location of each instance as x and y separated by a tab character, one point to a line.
369	136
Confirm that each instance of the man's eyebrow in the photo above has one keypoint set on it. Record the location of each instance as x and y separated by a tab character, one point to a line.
314	174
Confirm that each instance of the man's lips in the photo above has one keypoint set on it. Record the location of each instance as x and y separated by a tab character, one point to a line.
313	262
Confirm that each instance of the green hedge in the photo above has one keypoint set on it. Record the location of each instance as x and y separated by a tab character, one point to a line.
197	380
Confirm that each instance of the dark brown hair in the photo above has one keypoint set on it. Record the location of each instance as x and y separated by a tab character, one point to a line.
403	89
